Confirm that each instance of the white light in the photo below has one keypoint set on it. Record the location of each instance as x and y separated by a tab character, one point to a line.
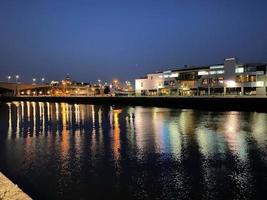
174	75
201	73
217	72
166	76
166	72
217	67
160	76
239	70
230	83
259	84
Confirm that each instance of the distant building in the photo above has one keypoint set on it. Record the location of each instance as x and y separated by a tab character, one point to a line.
229	78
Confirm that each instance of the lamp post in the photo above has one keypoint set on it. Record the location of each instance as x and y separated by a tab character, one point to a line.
17	78
43	79
8	78
33	81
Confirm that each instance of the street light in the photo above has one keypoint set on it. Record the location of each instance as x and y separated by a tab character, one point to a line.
43	79
8	78
34	80
17	77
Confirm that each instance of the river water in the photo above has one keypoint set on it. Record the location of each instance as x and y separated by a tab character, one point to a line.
77	151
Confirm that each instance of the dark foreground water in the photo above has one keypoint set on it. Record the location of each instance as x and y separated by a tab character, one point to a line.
64	151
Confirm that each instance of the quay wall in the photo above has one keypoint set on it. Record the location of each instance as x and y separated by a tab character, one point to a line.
255	103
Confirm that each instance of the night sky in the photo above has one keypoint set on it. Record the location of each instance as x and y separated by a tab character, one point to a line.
126	39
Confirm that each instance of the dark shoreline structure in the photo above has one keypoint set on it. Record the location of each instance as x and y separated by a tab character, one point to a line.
227	103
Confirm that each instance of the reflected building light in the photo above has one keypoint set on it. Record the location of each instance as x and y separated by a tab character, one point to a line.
16	103
28	110
42	115
77	113
93	115
187	122
116	136
111	117
9	120
131	118
100	117
22	111
57	111
18	119
67	113
64	115
175	140
82	115
234	135
210	143
159	131
34	118
70	114
259	129
48	111
143	122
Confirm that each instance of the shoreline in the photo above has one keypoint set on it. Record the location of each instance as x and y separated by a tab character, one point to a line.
223	103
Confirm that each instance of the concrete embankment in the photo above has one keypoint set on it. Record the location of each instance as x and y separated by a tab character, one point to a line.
9	190
245	103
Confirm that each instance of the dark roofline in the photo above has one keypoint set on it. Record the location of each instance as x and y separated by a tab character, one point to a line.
191	68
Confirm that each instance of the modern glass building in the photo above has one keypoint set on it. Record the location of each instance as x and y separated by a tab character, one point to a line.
228	78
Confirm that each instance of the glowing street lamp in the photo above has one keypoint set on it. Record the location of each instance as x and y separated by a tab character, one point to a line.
8	78
34	80
17	78
43	79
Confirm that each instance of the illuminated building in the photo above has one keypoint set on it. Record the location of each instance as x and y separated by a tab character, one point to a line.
229	78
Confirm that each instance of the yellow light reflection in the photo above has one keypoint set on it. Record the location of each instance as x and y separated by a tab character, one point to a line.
65	134
234	136
116	132
34	117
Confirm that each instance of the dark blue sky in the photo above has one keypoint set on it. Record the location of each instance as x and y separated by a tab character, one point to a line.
126	39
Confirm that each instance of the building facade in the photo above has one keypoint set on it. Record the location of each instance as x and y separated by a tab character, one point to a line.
228	78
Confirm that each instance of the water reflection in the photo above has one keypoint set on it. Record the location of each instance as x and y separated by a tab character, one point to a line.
144	152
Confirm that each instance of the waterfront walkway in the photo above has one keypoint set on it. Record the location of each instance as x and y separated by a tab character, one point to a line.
9	190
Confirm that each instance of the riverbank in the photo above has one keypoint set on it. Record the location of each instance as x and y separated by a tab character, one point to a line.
9	190
246	103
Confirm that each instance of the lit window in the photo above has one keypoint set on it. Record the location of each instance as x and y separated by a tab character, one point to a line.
174	75
201	73
239	70
220	72
212	72
217	67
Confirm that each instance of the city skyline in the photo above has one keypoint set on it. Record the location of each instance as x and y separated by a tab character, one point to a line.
94	40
